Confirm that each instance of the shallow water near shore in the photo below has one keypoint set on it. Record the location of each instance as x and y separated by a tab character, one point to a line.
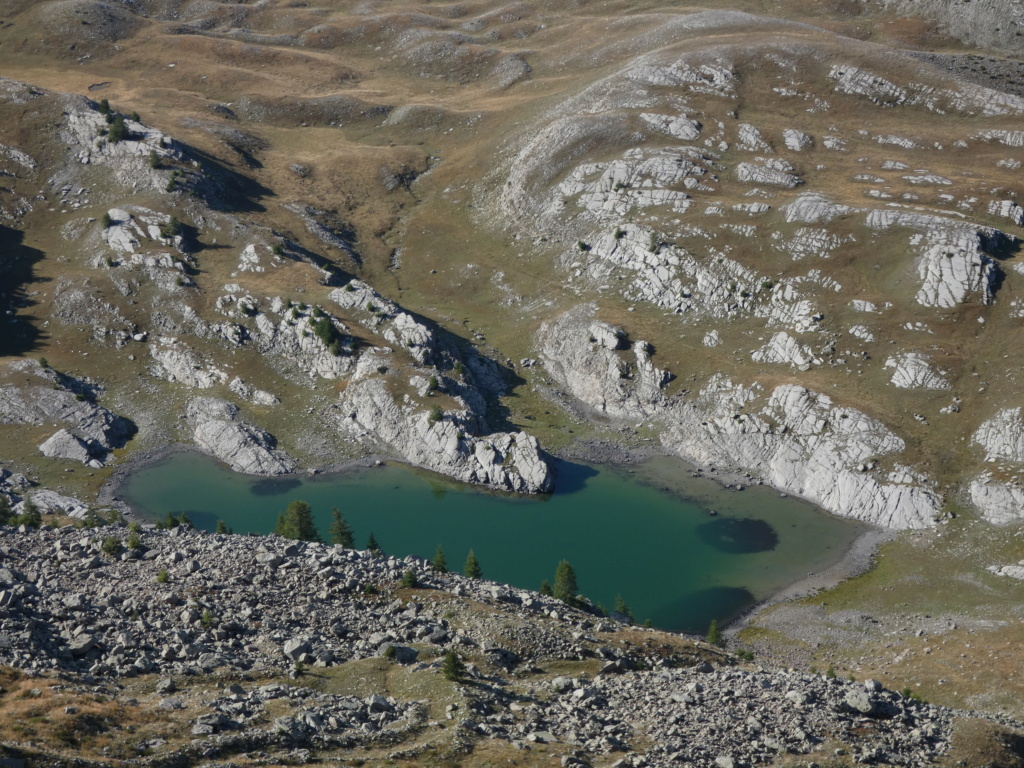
644	532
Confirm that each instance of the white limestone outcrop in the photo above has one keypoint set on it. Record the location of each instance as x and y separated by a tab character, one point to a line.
218	432
386	318
1002	436
998	502
599	367
913	370
796	440
796	140
177	362
443	442
783	348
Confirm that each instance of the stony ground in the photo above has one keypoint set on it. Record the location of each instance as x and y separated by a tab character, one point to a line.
208	648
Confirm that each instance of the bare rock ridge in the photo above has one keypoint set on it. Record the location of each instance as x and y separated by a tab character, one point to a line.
234	605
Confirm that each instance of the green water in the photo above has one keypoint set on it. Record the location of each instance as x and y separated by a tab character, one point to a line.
643	533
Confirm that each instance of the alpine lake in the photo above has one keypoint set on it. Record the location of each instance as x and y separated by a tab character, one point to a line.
680	550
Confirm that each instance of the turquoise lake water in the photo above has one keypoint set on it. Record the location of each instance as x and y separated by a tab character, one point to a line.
643	532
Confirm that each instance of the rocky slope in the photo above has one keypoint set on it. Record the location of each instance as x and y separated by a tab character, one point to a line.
204	627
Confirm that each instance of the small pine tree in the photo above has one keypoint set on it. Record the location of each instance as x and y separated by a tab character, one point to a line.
436	414
472	568
373	546
409	580
154	159
104	107
222	527
296	522
111	545
440	562
340	532
565	588
545	588
134	542
105	221
622	607
453	668
134	117
715	634
5	511
162	577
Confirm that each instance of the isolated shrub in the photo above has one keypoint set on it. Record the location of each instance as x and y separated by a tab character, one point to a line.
173	228
105	221
154	159
162	577
222	527
133	540
409	580
436	414
545	588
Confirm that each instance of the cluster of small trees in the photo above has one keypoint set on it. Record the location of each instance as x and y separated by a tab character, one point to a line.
30	514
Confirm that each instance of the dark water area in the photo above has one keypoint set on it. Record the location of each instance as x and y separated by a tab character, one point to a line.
680	551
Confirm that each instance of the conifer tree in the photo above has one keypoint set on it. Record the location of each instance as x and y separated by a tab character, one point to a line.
565	583
622	607
222	527
440	562
715	634
472	568
545	588
296	522
340	532
453	668
373	546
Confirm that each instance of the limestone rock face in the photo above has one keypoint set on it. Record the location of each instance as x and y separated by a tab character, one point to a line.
591	359
1002	436
953	267
772	174
176	362
795	439
912	370
245	448
796	140
383	315
506	460
66	445
801	442
783	348
90	432
1000	501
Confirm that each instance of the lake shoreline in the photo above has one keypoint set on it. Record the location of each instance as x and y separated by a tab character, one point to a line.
857	558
